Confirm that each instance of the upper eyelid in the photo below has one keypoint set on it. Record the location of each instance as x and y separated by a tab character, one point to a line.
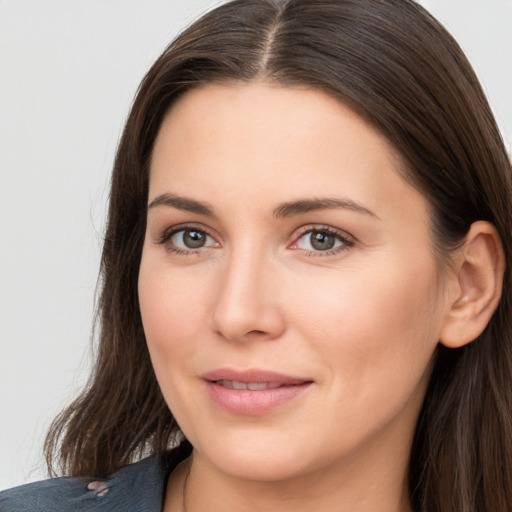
187	225
323	227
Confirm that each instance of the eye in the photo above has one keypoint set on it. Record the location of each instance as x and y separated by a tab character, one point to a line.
190	239
322	240
184	240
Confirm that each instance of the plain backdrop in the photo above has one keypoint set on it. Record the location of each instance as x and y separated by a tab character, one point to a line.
68	72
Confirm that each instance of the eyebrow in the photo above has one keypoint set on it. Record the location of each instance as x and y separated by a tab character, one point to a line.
182	203
302	206
288	209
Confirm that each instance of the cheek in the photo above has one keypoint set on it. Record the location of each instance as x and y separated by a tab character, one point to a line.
374	326
172	317
172	311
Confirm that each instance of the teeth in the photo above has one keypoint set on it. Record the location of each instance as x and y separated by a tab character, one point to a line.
255	386
252	386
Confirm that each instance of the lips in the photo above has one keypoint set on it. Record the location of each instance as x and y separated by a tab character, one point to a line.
253	376
253	392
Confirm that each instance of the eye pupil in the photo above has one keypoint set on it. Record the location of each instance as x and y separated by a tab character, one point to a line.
194	239
322	241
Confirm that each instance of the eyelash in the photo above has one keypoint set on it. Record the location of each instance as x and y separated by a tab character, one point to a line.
346	240
169	233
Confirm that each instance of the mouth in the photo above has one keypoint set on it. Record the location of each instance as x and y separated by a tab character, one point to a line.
254	379
252	386
253	392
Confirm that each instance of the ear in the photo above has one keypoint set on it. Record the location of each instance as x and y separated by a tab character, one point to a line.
479	267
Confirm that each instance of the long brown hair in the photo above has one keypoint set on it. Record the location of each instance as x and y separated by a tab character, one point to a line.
393	64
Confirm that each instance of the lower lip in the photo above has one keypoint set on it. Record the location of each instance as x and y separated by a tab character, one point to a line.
252	403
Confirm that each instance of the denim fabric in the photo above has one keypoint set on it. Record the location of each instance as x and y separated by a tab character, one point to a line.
138	487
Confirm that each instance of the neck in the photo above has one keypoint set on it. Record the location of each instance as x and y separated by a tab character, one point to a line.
355	486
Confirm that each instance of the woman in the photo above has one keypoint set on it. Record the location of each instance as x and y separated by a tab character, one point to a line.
304	277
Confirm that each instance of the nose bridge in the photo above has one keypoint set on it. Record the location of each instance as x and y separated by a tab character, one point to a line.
246	304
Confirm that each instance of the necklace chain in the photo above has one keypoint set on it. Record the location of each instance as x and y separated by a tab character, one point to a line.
184	495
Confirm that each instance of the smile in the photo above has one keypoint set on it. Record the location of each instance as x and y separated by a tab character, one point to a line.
253	392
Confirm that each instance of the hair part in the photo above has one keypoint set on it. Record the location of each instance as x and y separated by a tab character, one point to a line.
396	67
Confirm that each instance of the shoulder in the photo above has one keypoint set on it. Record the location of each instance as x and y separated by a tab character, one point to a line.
140	485
137	487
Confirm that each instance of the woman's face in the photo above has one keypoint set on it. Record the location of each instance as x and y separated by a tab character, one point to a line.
288	288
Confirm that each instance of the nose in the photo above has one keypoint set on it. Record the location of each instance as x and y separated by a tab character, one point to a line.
247	306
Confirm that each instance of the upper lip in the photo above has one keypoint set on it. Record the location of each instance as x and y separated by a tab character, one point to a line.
254	376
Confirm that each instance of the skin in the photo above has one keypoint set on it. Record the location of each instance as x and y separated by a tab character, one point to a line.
361	321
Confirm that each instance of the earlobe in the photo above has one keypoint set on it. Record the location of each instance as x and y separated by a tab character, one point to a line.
480	266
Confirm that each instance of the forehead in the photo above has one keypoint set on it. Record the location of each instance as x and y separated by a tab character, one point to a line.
266	142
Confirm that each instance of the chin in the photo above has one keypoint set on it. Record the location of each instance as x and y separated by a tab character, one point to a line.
258	467
257	456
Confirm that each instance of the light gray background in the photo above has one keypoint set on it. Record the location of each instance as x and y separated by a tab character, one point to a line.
68	72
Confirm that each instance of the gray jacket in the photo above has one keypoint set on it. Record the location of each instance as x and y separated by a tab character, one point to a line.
139	487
